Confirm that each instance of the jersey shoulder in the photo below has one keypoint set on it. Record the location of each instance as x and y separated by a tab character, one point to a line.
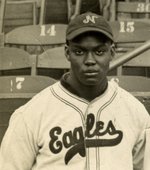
128	99
35	107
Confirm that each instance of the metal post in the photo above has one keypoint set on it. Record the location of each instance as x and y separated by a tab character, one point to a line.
126	57
2	13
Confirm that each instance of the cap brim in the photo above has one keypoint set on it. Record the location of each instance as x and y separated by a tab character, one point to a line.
82	30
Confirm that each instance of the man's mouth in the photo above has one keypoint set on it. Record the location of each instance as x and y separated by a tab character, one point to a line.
91	73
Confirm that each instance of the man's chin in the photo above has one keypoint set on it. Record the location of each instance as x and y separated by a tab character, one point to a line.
91	82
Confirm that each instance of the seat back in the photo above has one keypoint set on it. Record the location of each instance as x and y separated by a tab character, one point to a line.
53	12
139	65
53	58
93	6
129	35
24	84
38	37
19	13
53	61
125	10
15	91
13	59
97	6
133	84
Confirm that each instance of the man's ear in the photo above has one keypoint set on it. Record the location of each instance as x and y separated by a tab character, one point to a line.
113	50
67	52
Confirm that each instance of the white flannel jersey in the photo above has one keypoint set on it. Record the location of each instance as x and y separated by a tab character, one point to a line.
57	130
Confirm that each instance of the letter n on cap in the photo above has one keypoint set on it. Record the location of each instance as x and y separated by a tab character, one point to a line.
89	19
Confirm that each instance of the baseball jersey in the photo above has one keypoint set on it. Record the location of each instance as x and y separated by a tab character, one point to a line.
57	130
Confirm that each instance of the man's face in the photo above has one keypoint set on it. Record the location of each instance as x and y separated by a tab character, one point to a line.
89	56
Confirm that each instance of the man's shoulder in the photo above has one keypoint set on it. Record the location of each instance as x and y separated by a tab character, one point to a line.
36	107
38	101
123	93
132	103
127	97
132	106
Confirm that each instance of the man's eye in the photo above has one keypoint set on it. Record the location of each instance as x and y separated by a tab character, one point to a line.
78	52
100	52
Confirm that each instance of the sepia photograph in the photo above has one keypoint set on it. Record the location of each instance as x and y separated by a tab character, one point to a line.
74	84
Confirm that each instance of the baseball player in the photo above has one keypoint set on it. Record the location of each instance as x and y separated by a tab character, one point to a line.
83	121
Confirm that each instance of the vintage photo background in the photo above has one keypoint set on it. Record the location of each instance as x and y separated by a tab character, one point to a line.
39	34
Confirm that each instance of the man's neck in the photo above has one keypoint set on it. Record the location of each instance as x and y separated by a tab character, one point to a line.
87	92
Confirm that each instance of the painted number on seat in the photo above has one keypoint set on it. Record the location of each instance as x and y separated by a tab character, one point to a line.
127	26
17	84
19	81
143	7
51	31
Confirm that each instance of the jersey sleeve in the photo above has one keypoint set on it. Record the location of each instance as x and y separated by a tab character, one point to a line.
147	151
141	151
18	149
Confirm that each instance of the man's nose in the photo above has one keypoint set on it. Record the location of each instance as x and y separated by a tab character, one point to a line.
90	60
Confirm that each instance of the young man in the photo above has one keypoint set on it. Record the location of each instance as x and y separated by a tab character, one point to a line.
82	122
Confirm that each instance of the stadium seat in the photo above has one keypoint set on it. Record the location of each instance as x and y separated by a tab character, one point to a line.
55	12
16	91
18	13
52	62
15	61
37	38
129	35
138	66
130	10
133	84
88	5
97	6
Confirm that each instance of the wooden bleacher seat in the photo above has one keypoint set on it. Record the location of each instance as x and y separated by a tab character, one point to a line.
16	91
16	61
139	65
37	38
93	6
133	84
19	13
55	12
52	62
129	35
130	10
97	6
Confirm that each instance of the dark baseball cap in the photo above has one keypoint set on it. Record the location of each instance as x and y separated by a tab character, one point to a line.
88	22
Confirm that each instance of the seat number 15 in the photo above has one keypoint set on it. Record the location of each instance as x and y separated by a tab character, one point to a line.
127	26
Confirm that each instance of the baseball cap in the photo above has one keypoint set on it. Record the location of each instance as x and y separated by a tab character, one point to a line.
88	22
